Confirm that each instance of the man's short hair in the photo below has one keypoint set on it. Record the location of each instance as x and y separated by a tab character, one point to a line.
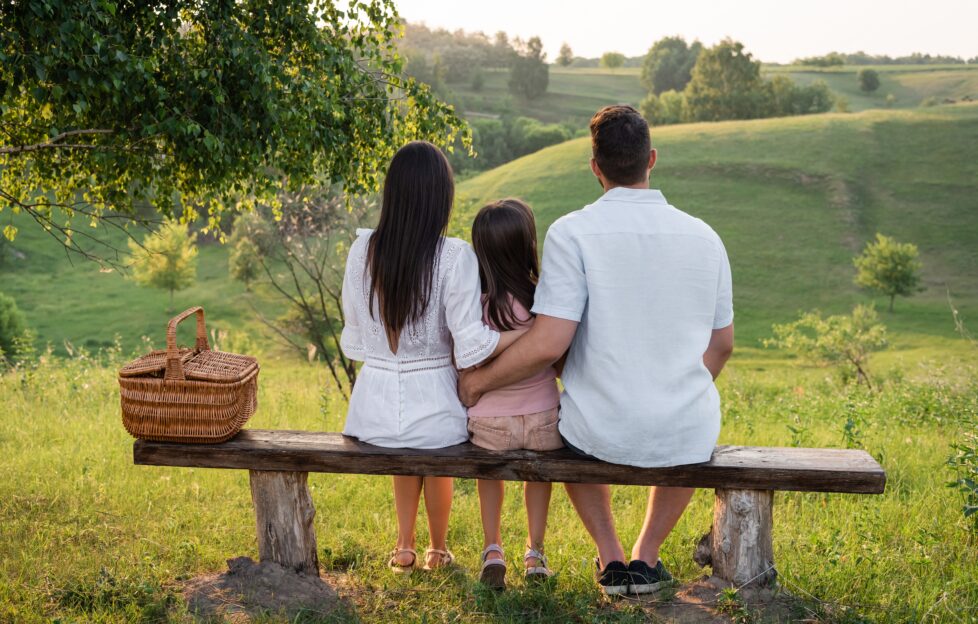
620	143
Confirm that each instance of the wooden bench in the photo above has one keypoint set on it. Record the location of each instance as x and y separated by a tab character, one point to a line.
738	547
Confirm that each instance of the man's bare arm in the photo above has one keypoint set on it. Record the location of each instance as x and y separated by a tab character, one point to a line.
540	347
719	350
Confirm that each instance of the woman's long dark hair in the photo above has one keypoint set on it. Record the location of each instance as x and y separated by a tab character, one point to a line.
403	250
504	236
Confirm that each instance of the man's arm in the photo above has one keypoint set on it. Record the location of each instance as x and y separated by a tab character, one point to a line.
719	350
540	347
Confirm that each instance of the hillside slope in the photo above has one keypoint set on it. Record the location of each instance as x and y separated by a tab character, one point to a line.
794	199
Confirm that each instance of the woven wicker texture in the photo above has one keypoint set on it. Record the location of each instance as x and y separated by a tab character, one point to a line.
188	395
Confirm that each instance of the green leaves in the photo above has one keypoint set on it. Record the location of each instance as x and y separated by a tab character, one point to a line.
202	107
888	267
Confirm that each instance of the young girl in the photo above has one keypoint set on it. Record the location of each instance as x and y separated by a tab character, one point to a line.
409	295
524	415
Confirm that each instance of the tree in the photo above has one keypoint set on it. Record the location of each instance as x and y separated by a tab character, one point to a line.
243	264
529	74
612	60
869	80
566	56
13	330
192	107
664	109
668	64
726	84
844	340
167	258
889	268
301	258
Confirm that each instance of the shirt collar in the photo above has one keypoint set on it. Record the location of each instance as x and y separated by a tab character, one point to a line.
644	196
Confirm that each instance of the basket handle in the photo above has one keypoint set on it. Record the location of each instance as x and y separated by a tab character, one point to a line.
174	367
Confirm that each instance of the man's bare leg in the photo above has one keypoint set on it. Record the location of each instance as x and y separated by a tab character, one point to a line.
666	506
593	504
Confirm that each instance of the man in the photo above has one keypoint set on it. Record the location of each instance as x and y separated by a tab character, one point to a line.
639	295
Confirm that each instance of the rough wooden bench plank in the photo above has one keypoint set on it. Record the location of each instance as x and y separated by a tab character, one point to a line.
731	468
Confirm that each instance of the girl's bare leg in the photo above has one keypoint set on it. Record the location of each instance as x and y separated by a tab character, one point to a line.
536	496
407	493
438	503
491	505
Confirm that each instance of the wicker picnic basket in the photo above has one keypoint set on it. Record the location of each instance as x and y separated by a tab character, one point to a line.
188	395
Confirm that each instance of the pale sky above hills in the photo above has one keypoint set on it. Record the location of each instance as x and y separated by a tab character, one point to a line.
774	30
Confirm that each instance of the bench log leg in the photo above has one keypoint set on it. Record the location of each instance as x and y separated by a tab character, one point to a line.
284	517
739	545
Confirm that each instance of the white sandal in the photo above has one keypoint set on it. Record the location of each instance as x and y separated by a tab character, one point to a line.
493	573
396	567
541	571
445	557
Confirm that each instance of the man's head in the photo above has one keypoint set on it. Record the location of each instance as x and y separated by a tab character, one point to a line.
621	147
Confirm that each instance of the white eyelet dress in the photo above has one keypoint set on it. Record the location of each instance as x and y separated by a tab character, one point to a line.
410	399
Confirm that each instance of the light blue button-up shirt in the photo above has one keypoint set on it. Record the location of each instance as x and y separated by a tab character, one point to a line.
648	284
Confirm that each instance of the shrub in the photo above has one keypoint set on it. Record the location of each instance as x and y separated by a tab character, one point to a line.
13	330
869	80
929	101
842	340
964	463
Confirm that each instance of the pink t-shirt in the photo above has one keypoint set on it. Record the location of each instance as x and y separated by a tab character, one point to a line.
530	396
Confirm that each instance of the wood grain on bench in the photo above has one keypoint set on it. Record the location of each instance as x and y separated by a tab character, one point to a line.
732	467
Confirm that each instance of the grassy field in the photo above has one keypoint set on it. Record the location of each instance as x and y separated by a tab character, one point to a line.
85	536
574	94
910	85
794	199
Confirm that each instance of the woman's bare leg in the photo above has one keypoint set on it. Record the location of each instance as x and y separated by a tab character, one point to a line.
407	493
438	503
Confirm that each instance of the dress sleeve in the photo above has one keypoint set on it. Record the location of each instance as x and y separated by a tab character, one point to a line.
351	340
474	341
562	291
724	314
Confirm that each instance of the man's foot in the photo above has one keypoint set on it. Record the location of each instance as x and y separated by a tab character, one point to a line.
645	579
614	578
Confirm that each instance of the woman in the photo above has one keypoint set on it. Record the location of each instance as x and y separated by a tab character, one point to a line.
411	302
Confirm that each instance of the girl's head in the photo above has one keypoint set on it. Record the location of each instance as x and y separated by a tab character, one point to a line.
418	195
504	236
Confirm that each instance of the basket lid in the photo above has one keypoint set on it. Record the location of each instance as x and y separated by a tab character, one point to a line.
153	364
218	366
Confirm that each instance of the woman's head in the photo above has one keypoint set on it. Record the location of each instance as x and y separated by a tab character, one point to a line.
417	203
504	236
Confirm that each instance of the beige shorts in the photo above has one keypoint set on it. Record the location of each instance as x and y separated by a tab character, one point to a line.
533	432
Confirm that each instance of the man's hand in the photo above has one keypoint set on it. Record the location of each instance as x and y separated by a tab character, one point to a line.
468	391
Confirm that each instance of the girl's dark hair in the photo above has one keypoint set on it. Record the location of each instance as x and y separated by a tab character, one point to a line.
504	236
403	250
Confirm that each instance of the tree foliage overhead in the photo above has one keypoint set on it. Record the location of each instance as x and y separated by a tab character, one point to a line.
888	267
194	107
669	64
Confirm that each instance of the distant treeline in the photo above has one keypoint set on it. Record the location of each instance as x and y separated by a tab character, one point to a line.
835	59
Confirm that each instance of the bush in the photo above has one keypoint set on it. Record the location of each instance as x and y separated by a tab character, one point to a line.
664	109
13	331
929	101
869	80
842	340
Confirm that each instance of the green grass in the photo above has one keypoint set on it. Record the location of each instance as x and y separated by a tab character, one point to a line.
794	199
909	85
85	536
572	95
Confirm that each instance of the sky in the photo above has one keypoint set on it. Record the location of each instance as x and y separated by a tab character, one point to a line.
773	30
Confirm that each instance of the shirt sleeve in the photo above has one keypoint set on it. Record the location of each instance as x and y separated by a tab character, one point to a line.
562	291
724	314
351	340
474	340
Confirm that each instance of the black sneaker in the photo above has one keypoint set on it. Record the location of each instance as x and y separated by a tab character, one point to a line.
645	579
614	578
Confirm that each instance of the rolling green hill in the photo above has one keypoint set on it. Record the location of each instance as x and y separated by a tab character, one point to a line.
794	199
